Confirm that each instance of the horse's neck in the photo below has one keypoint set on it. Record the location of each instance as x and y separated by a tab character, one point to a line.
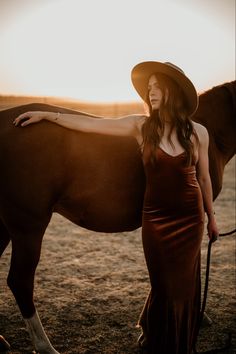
217	113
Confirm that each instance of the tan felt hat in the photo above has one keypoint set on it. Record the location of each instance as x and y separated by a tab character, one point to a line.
141	73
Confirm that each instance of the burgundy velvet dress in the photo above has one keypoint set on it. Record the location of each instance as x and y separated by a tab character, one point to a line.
172	229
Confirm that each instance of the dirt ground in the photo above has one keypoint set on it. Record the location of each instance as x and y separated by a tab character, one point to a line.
90	287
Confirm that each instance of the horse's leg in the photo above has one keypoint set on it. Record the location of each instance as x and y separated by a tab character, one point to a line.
38	336
4	240
26	250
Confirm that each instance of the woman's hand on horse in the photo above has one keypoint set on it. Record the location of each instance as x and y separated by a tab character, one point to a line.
29	118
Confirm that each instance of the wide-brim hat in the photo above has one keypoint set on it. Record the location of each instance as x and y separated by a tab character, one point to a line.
141	73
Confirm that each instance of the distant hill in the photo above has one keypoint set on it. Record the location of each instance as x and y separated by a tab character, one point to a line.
105	109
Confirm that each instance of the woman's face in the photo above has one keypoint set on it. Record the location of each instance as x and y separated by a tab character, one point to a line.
154	92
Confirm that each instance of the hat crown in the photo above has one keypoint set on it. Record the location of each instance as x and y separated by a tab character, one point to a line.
174	67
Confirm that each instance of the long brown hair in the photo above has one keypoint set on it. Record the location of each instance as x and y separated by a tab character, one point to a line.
174	108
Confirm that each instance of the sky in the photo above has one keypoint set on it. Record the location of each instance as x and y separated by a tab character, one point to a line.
86	49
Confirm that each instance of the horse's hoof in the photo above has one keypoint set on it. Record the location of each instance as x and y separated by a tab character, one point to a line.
4	345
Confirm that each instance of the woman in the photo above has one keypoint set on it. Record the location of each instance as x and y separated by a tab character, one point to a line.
178	191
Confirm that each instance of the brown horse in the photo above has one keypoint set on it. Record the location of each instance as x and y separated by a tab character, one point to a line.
96	181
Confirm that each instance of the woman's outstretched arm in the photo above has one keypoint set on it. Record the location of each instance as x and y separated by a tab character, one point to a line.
128	125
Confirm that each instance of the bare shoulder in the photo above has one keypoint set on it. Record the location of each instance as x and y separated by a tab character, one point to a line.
136	121
137	118
201	132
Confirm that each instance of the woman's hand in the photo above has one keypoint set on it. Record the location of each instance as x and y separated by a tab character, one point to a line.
29	118
213	232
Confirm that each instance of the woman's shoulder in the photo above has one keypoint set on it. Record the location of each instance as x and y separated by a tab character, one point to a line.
138	117
201	132
136	120
200	129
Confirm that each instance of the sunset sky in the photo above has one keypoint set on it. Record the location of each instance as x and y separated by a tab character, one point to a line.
86	49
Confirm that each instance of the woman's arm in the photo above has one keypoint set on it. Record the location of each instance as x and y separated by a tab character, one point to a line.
128	125
204	180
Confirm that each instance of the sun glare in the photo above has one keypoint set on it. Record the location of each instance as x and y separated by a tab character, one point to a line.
86	50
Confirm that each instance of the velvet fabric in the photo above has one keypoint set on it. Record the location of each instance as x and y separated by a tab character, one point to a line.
172	229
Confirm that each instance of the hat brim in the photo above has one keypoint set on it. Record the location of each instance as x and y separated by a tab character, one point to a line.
141	73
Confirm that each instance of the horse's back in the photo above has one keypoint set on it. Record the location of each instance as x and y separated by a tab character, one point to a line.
94	180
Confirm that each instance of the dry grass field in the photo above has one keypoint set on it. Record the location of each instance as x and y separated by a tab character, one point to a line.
90	287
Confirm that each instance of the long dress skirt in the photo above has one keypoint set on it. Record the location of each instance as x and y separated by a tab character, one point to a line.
172	229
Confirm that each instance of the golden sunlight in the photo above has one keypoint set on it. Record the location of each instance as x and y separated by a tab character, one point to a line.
86	50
